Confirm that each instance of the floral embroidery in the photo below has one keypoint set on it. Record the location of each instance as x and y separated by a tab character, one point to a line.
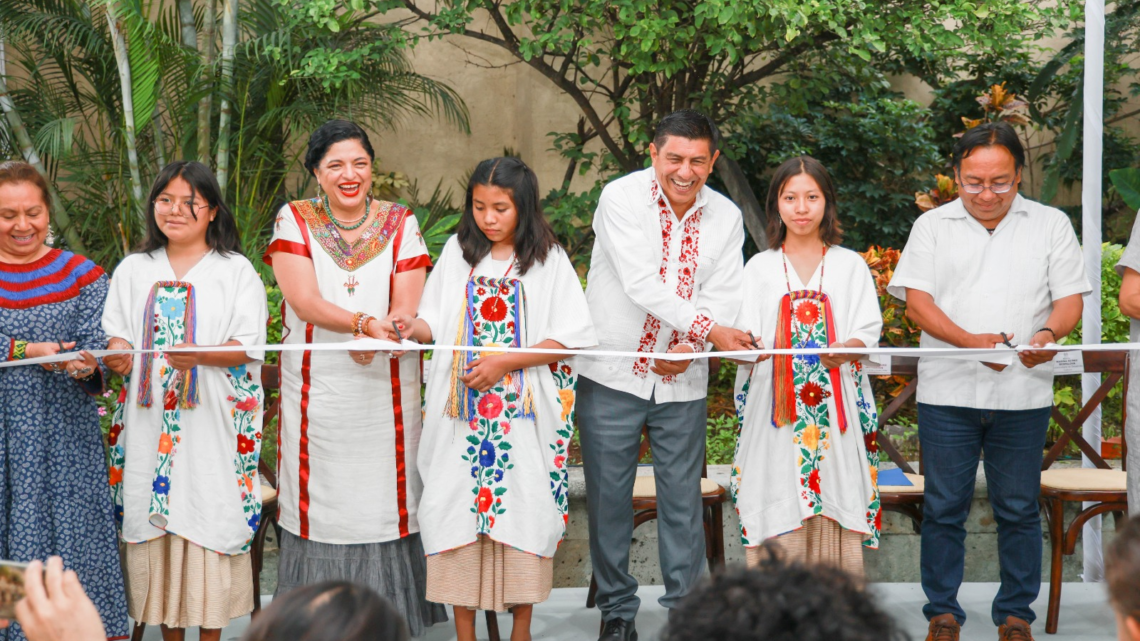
388	221
565	380
686	278
247	398
351	284
735	475
116	453
169	329
869	422
812	426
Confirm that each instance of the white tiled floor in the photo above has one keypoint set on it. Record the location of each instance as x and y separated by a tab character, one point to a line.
1085	615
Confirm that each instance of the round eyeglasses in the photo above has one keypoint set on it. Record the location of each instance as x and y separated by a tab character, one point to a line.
186	209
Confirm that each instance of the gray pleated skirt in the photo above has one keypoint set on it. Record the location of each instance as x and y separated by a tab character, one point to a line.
396	569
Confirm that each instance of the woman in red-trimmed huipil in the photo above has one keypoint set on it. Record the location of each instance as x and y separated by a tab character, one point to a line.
350	421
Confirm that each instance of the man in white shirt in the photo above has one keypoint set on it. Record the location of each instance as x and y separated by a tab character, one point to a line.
665	276
989	268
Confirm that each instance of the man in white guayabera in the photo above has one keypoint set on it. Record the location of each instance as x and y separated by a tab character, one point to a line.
989	268
665	275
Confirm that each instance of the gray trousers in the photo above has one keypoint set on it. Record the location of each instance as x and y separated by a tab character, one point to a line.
610	425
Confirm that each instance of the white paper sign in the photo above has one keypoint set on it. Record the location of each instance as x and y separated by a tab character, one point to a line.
882	368
1068	363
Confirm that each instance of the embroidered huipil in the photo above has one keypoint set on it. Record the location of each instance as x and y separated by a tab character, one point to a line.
494	463
822	460
348	434
184	446
658	280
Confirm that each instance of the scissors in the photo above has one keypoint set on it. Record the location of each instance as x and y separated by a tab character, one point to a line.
753	339
397	329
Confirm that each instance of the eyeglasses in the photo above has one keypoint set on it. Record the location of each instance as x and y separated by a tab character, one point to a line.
186	209
996	188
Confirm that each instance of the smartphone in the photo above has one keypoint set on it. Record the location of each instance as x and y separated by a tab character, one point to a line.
11	587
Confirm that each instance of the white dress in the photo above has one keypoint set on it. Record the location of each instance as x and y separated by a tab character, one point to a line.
178	469
786	475
499	472
348	434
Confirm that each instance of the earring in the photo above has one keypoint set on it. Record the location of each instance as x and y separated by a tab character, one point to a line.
50	240
319	193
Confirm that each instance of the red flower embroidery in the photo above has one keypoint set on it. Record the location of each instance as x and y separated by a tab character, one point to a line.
491	521
490	406
113	435
565	369
807	313
559	460
813	481
484	500
474	424
811	394
247	404
481	292
870	442
494	309
878	519
169	401
245	444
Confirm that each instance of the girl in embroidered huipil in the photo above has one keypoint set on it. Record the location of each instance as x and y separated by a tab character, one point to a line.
806	460
53	483
186	436
350	422
497	426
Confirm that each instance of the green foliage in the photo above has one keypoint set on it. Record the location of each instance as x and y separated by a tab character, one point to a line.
1127	183
720	445
879	150
295	66
436	215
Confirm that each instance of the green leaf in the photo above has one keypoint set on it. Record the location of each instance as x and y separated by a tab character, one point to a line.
1127	183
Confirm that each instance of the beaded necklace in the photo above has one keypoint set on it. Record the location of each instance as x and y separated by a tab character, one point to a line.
788	280
344	226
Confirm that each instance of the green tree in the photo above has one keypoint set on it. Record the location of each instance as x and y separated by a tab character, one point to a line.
627	63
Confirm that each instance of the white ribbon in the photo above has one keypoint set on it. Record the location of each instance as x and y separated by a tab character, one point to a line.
1000	355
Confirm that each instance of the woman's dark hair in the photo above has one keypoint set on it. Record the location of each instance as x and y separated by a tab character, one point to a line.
221	234
830	231
687	123
328	611
18	171
1122	569
533	235
990	134
778	601
331	133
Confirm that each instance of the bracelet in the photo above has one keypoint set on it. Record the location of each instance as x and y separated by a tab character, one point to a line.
1050	330
19	350
360	322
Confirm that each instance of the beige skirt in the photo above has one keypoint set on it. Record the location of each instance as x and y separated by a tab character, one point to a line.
173	582
820	541
486	575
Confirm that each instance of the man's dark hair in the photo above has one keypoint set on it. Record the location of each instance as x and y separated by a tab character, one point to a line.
830	231
781	602
328	611
1122	569
990	134
329	134
687	123
534	237
222	232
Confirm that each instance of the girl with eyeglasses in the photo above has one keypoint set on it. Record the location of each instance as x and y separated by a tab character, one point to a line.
186	434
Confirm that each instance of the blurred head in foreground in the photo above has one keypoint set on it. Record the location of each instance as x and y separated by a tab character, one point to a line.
329	611
1122	570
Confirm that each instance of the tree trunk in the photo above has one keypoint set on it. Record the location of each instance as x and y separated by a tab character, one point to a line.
741	193
206	104
120	44
229	42
28	151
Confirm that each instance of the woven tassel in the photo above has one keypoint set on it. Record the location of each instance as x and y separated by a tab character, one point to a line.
188	387
833	373
457	392
784	389
146	364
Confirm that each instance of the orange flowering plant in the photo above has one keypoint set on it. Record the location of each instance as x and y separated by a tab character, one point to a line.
898	330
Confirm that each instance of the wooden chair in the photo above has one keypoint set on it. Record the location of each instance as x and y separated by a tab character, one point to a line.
1102	486
903	499
713	497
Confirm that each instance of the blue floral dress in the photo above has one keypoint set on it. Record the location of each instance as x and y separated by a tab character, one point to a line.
53	488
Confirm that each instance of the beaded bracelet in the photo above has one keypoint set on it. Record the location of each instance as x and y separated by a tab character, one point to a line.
360	322
19	350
